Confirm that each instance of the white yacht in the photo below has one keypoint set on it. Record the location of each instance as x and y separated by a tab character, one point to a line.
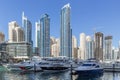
28	65
50	64
55	64
89	68
31	66
111	66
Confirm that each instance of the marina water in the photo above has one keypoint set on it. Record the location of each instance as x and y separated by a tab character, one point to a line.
54	76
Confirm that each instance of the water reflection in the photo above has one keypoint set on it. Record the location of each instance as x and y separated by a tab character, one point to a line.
1	75
54	76
111	76
95	77
35	76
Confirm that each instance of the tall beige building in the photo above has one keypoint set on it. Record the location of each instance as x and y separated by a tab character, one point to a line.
16	33
52	40
74	47
11	31
79	53
19	34
83	45
55	48
98	53
2	37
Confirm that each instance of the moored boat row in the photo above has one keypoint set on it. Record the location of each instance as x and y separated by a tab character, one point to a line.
44	64
62	64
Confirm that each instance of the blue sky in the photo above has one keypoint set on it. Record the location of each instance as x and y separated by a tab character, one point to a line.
86	15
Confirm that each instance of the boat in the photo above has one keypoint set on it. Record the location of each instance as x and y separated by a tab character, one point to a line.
111	66
48	64
24	66
55	64
29	65
89	68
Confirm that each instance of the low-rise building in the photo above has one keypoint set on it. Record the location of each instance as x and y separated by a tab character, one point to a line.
19	49
16	50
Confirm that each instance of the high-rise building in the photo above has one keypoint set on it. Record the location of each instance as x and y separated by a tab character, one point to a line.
115	53
43	36
78	53
26	24
16	33
74	47
83	46
98	53
55	48
74	42
118	56
2	37
11	31
37	34
108	48
58	46
89	48
65	32
19	34
52	40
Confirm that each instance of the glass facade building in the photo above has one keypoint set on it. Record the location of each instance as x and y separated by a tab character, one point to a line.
65	32
16	49
43	36
19	49
108	48
89	49
26	24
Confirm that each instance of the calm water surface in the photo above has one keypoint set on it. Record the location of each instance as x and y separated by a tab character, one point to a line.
53	76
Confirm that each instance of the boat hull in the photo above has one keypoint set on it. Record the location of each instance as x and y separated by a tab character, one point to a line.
54	69
93	73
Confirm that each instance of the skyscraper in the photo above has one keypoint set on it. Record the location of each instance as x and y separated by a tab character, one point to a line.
108	47
52	40
37	34
83	46
43	35
65	32
2	37
98	53
11	31
55	48
26	24
89	48
16	33
115	54
118	57
74	47
19	34
78	53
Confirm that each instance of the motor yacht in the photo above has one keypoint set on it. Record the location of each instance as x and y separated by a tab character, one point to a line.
28	65
55	64
89	69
